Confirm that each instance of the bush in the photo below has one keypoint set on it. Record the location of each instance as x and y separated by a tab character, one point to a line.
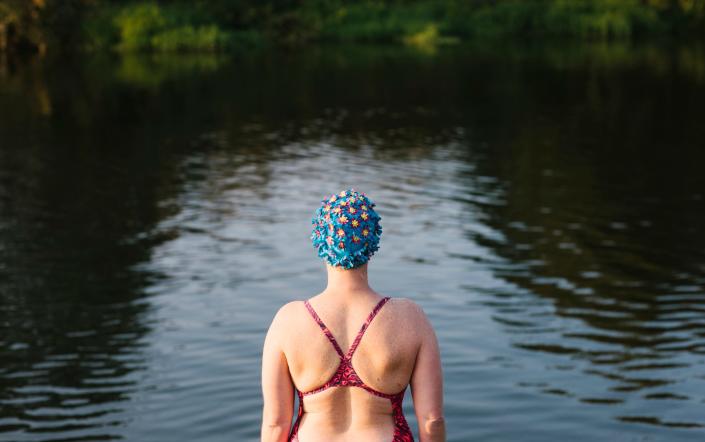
601	19
172	27
380	22
138	24
208	38
210	25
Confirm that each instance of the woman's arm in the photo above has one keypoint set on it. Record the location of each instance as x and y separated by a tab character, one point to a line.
277	386
427	385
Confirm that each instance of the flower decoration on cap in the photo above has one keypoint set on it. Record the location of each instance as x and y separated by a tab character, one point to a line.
337	233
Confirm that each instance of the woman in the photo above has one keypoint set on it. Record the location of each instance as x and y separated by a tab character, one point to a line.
390	345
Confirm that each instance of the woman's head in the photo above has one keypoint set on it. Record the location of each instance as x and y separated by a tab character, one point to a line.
346	229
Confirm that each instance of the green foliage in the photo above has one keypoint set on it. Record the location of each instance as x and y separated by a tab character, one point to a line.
137	25
379	21
602	19
219	25
436	21
151	26
98	29
292	27
506	17
584	19
203	38
208	38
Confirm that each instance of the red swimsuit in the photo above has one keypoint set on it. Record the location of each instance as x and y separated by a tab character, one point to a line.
345	376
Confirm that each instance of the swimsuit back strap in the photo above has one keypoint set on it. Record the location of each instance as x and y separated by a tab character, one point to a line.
325	329
369	319
356	342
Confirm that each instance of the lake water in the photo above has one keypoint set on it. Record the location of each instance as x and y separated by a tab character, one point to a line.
544	204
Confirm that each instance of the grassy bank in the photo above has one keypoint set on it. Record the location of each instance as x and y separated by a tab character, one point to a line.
224	25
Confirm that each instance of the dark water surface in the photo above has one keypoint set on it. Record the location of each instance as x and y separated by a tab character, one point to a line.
544	205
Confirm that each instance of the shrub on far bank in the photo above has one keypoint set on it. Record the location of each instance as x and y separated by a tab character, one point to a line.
217	25
150	26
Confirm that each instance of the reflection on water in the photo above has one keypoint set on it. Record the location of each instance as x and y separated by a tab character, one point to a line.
71	316
544	206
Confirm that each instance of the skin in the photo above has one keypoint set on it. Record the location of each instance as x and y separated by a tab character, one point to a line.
399	348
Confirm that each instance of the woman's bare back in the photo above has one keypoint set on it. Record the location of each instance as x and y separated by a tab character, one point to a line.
398	348
384	360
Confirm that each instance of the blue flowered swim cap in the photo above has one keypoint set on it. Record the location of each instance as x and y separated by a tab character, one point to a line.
346	229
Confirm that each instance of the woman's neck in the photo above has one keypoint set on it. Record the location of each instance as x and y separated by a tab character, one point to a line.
343	282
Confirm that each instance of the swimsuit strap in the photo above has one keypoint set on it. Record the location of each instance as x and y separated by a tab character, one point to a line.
356	342
369	319
325	329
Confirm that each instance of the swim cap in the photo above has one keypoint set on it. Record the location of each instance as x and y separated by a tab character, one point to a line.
346	229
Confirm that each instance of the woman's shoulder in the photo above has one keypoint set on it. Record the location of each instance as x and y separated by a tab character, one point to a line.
408	308
287	315
289	309
406	303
